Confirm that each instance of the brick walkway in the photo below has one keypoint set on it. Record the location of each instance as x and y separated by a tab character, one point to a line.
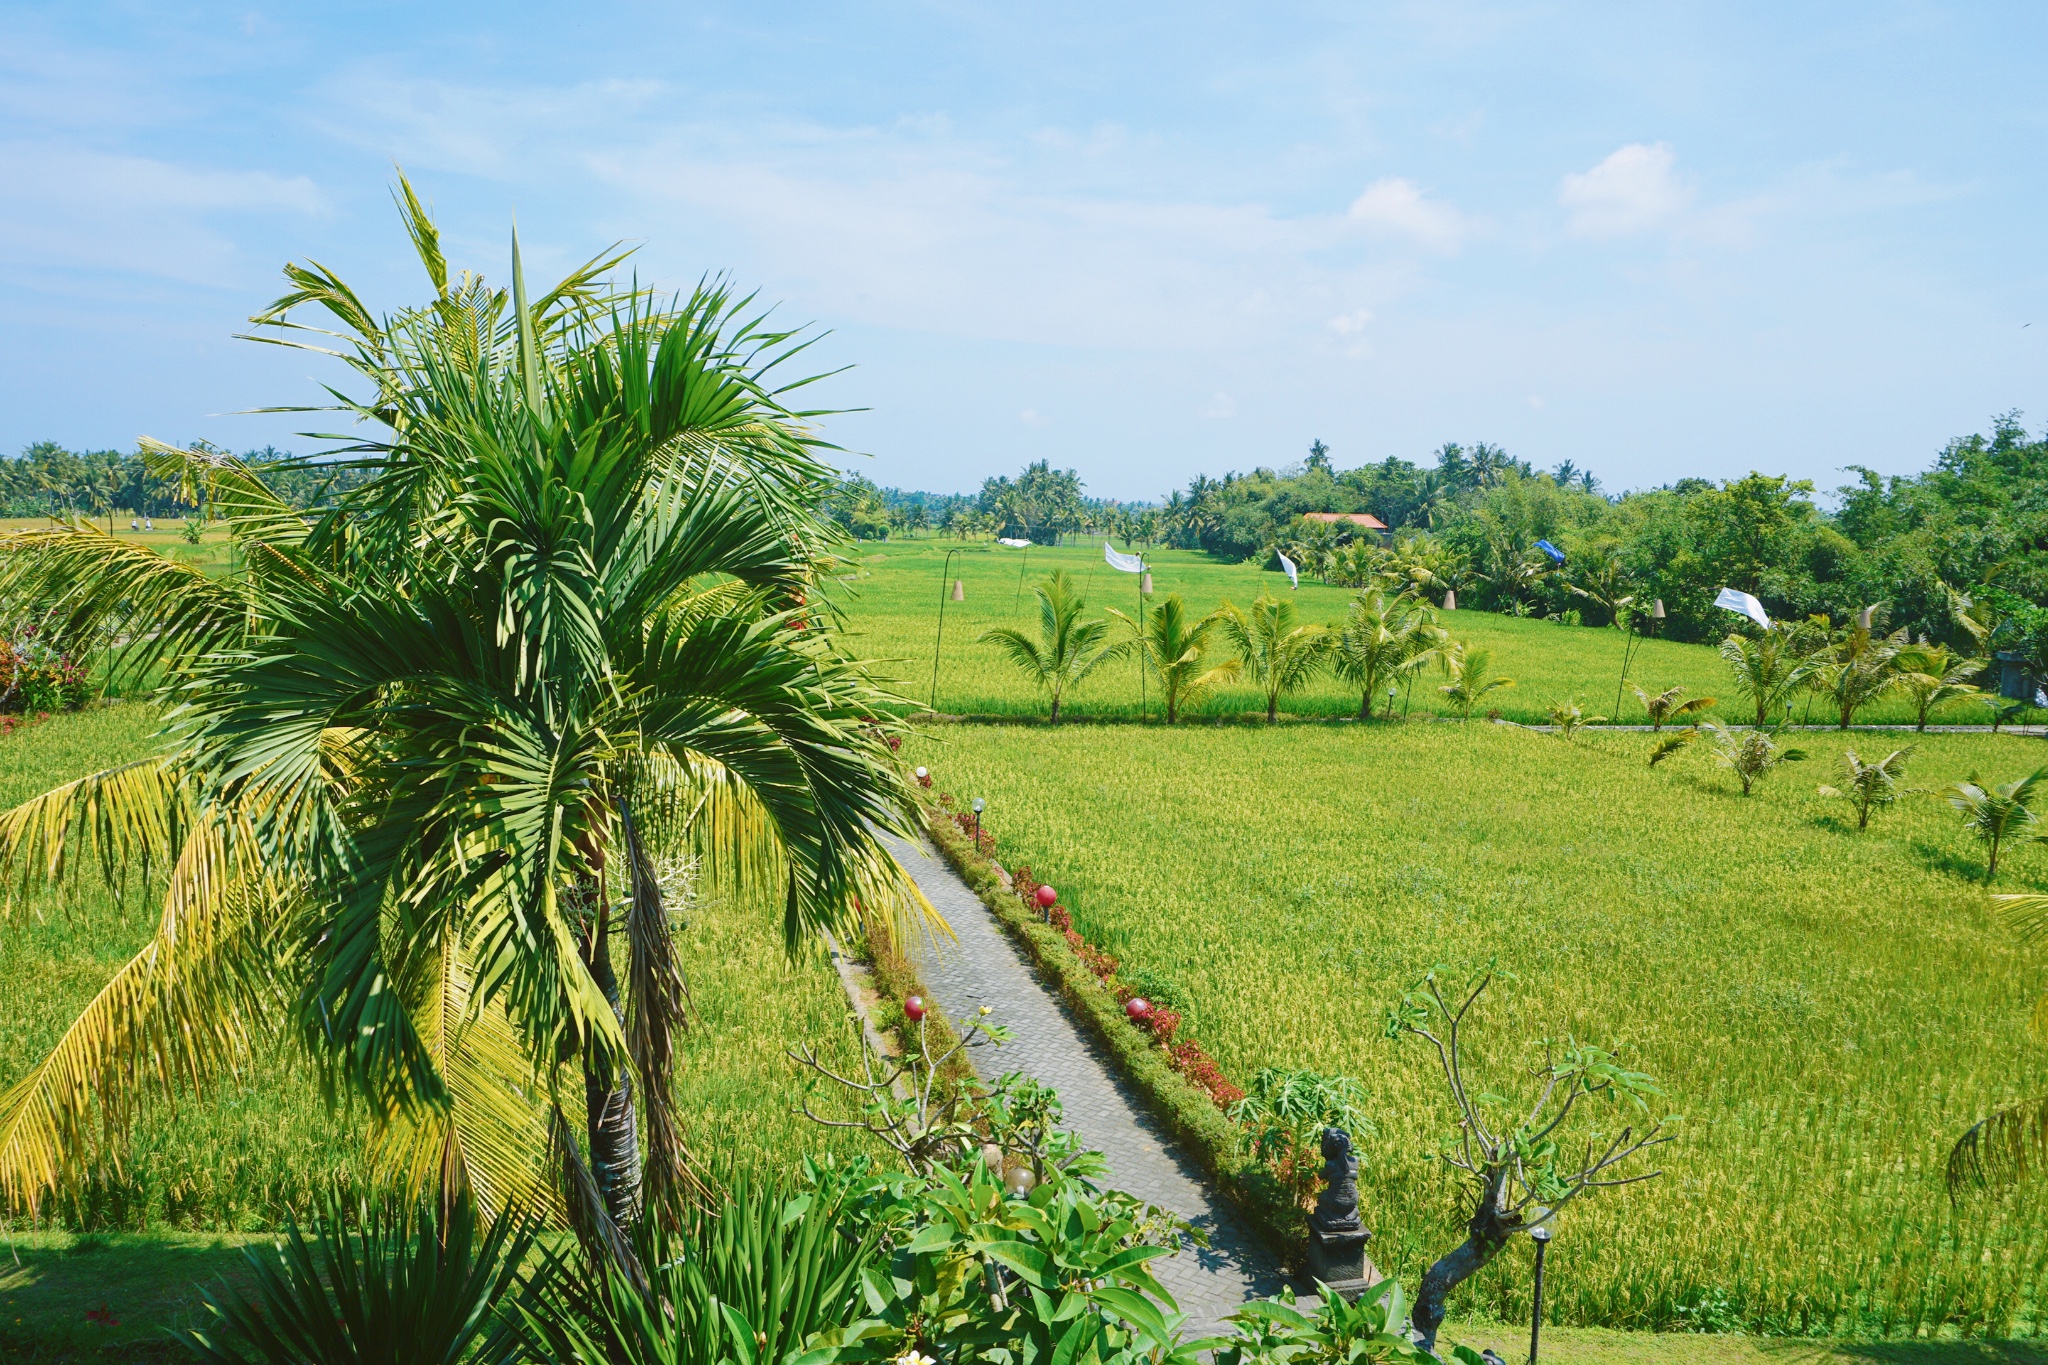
987	968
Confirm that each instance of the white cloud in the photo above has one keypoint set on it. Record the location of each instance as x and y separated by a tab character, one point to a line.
1217	408
1351	323
67	208
1030	417
1633	189
1398	206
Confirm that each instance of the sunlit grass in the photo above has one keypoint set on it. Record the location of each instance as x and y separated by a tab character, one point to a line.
1829	1010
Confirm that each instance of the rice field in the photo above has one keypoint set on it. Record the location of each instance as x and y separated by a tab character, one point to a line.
245	1155
891	604
1828	1010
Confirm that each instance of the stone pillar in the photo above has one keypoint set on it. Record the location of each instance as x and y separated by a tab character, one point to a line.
1336	1237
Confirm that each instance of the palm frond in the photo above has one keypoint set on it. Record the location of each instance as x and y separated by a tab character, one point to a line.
2002	1148
134	815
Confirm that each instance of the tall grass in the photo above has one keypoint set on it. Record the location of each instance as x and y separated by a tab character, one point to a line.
892	604
1828	1009
244	1155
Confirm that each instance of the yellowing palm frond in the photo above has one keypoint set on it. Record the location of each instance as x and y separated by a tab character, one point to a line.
134	814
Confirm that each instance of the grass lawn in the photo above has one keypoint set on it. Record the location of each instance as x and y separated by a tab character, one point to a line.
892	608
1829	1010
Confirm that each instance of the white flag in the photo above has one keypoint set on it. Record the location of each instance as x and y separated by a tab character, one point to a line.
1735	600
1123	563
1293	574
1013	544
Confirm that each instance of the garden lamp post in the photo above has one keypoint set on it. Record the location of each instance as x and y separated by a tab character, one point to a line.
1540	1234
1390	701
979	806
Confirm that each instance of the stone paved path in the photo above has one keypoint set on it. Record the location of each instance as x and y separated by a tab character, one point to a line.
986	967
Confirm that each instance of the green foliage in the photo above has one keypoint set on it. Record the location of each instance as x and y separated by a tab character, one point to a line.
1666	706
1995	814
1372	1331
1328	866
1384	641
1933	676
1751	755
1176	648
1768	667
1870	786
411	1286
1275	649
1471	678
1067	649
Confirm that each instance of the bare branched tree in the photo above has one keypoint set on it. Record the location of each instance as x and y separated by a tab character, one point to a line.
1525	1175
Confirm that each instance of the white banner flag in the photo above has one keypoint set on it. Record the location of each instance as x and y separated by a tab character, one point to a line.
1013	544
1735	600
1122	563
1293	574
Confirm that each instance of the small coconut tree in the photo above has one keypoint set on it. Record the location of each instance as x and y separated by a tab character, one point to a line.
1871	786
1666	706
1384	639
1067	649
1997	814
1767	667
2009	1144
1933	676
1856	668
1274	647
1177	647
1522	1161
1471	678
1752	755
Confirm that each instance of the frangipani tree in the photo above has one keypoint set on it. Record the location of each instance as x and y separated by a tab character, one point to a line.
424	747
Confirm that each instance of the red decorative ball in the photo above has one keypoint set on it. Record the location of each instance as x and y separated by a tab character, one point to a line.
1138	1008
1046	897
913	1008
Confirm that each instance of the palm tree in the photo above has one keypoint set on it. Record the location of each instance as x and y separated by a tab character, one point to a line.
1666	706
1274	648
431	740
1996	814
1177	649
1383	640
1469	681
1766	667
1751	756
1604	584
1870	786
1855	669
1933	675
1067	649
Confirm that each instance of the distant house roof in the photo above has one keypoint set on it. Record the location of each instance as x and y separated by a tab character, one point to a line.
1365	519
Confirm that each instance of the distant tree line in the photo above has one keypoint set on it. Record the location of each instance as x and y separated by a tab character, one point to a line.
48	480
1969	534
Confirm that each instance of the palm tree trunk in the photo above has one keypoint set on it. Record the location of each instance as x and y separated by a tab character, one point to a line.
1991	869
608	1097
1272	705
1365	704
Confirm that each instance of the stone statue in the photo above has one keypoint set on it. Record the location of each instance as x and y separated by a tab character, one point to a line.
1337	1206
1336	1237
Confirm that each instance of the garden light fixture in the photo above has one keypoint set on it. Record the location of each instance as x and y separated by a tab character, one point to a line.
1021	1182
1046	897
979	806
1540	1234
913	1009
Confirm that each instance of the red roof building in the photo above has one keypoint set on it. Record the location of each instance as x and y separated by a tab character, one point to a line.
1365	519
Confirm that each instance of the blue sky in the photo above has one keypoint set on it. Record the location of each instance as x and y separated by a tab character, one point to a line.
1143	242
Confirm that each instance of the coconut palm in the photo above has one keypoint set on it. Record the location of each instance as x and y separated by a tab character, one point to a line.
1666	706
430	742
1274	648
1999	813
1934	675
1470	678
1855	668
1067	649
1177	649
1766	667
1871	786
1751	755
1383	640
